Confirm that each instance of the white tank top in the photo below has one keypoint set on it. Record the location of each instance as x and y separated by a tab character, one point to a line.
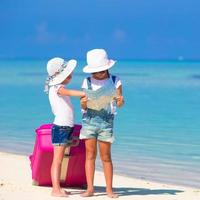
61	107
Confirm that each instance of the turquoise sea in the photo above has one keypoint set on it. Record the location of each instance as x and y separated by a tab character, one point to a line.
157	131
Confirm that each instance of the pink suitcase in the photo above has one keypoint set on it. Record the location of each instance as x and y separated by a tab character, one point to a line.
73	165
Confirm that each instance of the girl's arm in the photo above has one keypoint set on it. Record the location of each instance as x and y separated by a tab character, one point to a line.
65	92
119	98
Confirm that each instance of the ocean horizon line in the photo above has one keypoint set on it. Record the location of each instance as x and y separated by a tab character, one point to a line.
177	60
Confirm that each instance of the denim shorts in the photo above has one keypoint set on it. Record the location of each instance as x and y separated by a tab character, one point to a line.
98	125
61	135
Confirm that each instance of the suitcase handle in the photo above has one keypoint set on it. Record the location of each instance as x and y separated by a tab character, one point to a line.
75	141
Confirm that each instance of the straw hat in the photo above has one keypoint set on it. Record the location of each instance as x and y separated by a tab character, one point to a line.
97	60
59	69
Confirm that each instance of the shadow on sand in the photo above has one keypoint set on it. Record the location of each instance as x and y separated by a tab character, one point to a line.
127	191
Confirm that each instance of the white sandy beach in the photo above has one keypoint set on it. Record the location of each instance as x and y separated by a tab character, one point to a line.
16	183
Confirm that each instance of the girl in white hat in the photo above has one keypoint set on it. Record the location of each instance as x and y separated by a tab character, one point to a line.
60	74
103	92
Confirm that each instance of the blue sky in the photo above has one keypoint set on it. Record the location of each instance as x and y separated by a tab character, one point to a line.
127	29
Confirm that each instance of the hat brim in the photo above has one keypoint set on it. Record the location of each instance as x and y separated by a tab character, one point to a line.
91	69
71	64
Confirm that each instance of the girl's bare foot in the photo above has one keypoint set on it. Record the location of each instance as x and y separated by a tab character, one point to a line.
87	194
112	195
60	193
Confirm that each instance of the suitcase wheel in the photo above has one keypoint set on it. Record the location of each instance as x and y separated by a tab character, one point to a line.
84	186
35	183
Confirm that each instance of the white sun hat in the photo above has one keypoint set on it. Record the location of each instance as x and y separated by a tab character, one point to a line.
97	60
58	70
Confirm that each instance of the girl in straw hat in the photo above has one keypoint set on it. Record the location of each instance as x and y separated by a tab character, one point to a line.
60	74
103	92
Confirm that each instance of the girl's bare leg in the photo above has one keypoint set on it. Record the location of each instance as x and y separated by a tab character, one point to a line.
56	170
105	154
91	152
